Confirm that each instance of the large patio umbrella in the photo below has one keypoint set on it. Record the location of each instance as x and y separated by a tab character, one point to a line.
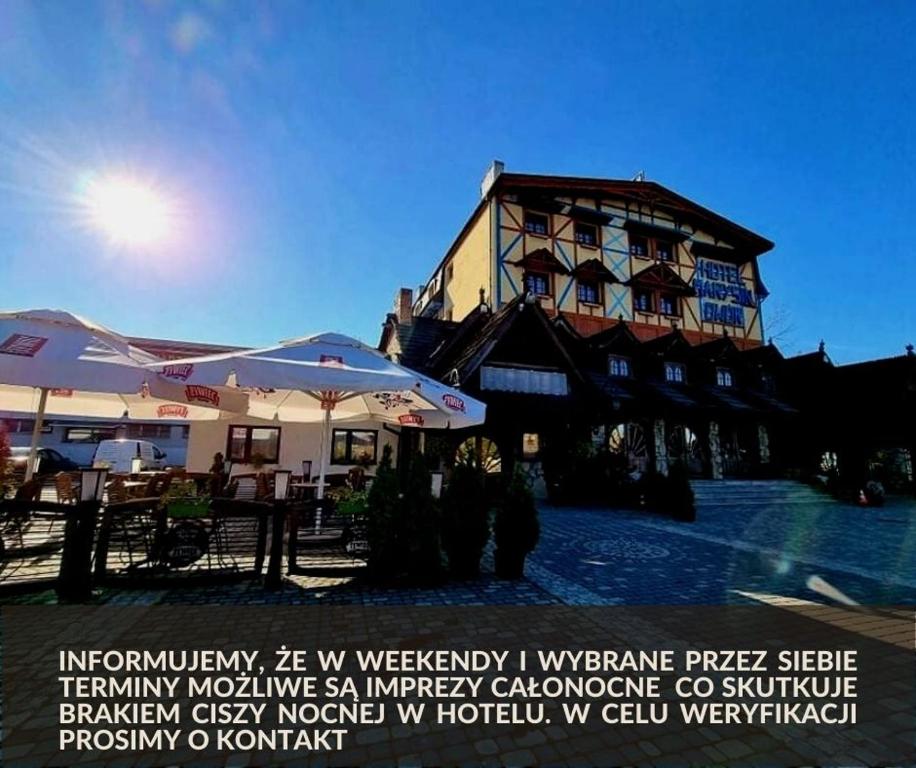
57	362
330	377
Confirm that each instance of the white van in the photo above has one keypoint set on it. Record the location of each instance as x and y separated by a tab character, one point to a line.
117	455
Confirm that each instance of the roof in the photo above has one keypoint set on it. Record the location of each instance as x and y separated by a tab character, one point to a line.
649	192
420	338
661	276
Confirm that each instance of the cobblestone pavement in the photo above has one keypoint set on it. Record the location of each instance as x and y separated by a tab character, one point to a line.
811	549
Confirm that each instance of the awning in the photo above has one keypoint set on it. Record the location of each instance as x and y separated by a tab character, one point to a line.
653	230
594	269
541	260
661	277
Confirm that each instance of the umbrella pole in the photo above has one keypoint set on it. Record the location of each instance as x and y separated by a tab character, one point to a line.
325	451
36	432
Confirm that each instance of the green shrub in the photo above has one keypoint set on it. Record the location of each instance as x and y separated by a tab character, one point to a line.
385	523
678	499
421	520
465	519
516	530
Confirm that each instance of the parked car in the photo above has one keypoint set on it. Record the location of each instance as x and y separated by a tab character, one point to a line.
50	461
118	455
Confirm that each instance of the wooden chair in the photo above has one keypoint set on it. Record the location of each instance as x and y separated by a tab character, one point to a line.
29	491
356	479
158	485
264	490
117	491
66	493
246	488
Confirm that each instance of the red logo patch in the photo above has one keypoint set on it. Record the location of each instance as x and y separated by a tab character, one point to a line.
453	402
197	393
411	419
178	371
173	411
61	393
22	345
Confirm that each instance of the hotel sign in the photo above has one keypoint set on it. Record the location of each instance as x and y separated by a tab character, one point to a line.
722	293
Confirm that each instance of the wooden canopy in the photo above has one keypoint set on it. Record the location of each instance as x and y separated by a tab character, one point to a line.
662	278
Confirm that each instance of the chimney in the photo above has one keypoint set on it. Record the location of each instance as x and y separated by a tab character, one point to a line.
403	305
493	172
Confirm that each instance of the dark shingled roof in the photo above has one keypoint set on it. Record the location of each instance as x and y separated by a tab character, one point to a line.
420	338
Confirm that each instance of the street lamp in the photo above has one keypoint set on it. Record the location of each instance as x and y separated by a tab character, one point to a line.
281	484
92	484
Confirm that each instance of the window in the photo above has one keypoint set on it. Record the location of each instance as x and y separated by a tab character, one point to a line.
537	223
354	446
586	234
24	425
588	292
652	248
531	445
675	372
537	283
143	431
639	246
724	377
668	304
619	366
642	301
88	434
664	251
245	442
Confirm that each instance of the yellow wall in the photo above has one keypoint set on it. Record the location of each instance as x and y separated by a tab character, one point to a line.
514	243
471	270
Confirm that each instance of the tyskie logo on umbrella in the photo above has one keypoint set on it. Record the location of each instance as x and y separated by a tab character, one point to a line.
61	392
172	411
195	393
392	399
453	401
410	420
182	371
23	345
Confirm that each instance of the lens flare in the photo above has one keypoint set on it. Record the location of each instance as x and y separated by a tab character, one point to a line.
129	212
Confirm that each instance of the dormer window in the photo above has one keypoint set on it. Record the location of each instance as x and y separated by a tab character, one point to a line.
724	377
656	248
588	291
668	305
619	366
537	223
639	246
642	301
586	234
537	283
676	373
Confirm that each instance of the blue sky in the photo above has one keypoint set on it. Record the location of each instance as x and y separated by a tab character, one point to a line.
320	155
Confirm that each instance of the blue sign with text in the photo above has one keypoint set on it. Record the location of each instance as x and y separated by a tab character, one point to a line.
722	293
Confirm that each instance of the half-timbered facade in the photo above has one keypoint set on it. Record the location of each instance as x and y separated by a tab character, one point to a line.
598	251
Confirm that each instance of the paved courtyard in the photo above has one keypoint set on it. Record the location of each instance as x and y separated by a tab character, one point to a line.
751	542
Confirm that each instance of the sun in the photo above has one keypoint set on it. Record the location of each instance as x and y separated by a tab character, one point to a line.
129	212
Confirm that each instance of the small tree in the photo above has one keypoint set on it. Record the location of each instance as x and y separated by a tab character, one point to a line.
465	519
678	499
421	520
385	523
516	530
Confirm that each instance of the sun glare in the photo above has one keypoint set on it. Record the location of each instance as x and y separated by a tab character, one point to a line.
130	212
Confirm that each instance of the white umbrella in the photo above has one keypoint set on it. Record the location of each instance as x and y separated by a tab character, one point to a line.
330	376
81	368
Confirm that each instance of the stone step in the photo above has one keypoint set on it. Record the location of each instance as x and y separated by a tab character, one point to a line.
756	492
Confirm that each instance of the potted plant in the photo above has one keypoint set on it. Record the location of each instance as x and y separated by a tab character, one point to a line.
181	500
678	498
465	519
516	529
